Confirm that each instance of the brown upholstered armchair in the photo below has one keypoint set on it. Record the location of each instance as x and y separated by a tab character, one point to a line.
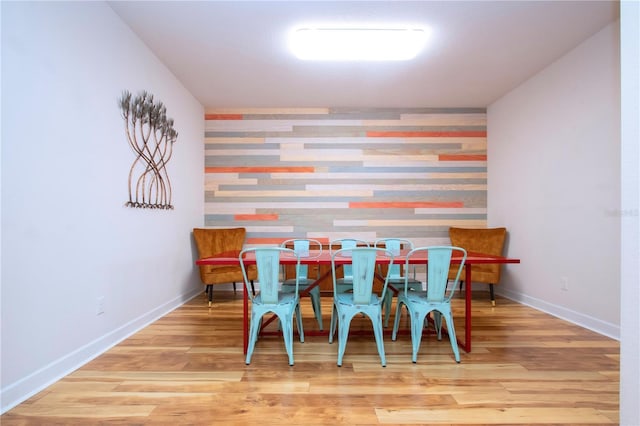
211	242
487	241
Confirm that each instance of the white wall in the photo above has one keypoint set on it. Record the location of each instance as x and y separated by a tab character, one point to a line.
554	174
67	238
630	217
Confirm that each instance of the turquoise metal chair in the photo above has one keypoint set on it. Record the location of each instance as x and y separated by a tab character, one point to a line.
346	282
434	299
397	272
362	300
303	247
270	299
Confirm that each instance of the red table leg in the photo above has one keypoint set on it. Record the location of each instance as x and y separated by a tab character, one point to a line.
467	309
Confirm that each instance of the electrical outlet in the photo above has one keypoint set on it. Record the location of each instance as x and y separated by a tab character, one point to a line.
564	284
100	305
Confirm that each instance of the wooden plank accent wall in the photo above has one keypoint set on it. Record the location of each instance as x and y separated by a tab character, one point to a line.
331	173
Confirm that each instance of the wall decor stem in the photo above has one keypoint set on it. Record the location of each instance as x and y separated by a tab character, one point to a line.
151	136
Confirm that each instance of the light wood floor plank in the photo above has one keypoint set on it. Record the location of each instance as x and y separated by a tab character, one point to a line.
526	367
493	416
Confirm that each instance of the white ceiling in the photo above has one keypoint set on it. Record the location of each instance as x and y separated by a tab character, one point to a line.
234	53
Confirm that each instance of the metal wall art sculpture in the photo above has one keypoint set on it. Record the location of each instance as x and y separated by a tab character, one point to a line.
151	136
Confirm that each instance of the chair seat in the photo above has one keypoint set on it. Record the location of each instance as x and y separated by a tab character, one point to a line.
285	299
415	297
401	281
303	282
347	299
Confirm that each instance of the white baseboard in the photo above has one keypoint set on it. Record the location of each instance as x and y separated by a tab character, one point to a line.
588	322
21	390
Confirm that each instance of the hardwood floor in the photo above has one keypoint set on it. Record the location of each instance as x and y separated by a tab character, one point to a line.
526	367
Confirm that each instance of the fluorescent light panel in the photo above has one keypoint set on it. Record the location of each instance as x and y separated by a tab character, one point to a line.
357	44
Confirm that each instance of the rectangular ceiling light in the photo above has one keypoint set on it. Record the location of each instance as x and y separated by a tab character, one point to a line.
357	44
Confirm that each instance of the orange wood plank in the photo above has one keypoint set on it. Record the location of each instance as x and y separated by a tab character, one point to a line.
223	117
278	241
256	217
260	169
462	157
265	241
404	204
428	134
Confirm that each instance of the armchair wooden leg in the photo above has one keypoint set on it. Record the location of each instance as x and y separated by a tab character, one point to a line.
253	289
209	291
493	298
234	287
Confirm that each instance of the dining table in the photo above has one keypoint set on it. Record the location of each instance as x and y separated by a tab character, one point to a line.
323	258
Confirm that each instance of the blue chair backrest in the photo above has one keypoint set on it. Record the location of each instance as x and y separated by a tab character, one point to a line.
439	260
363	263
301	247
394	245
268	265
348	243
363	269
